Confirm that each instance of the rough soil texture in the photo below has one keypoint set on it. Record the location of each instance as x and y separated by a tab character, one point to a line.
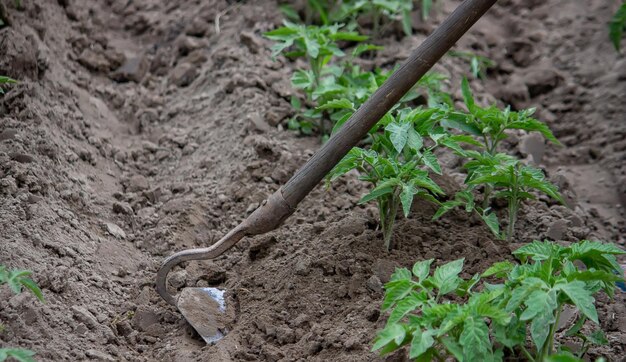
140	128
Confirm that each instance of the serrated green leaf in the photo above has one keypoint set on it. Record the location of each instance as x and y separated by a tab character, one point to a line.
430	160
406	198
540	327
475	340
446	277
19	354
401	274
302	79
511	334
538	250
404	307
581	298
392	333
398	134
445	207
421	342
394	291
341	103
498	269
414	140
538	302
421	269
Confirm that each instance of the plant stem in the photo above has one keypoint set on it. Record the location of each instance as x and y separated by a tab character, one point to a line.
513	207
510	228
527	354
391	218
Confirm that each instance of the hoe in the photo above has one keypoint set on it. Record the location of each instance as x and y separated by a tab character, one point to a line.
204	308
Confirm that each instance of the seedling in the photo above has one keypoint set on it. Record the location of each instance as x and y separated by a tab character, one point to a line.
617	26
398	163
488	322
5	80
511	181
318	45
17	280
493	170
316	11
378	10
478	63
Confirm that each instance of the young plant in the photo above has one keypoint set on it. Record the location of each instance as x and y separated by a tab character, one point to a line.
398	163
488	322
493	170
315	12
318	45
18	279
617	26
5	80
478	63
379	9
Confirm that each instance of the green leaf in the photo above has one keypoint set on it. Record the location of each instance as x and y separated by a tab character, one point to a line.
538	250
581	298
521	293
404	307
421	342
430	160
540	327
377	192
460	121
538	302
617	25
475	339
597	337
491	220
302	79
362	48
445	207
467	95
394	291
348	36
421	269
289	12
414	140
341	103
406	198
398	134
391	333
401	274
511	334
498	269
33	287
562	356
576	327
446	277
531	124
19	354
453	347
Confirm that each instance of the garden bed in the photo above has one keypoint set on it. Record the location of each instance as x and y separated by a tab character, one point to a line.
142	128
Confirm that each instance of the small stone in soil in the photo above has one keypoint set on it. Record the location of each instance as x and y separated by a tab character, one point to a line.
115	230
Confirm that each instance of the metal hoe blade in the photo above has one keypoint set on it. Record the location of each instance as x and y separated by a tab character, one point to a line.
205	310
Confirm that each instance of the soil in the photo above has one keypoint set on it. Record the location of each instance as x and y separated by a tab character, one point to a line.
141	128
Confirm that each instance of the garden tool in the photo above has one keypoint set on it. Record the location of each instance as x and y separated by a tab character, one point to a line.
203	307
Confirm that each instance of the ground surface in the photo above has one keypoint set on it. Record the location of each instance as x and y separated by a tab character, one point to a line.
106	170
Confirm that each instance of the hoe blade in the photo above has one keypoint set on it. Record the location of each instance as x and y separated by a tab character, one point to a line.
205	310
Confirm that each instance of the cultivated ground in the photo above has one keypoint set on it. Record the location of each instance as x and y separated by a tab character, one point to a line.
140	128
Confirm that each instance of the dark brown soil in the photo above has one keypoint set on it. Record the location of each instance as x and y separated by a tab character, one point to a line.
140	128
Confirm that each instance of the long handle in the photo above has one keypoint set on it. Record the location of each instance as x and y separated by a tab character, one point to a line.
283	202
400	82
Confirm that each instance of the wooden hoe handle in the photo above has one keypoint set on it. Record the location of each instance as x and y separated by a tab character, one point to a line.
280	205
